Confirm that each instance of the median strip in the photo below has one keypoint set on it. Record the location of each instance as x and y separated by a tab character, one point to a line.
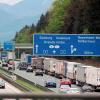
22	82
31	87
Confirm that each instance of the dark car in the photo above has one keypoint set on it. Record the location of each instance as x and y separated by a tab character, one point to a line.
11	67
38	72
87	88
4	64
29	69
23	66
50	84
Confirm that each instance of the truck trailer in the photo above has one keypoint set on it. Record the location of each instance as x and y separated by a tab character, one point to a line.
49	66
81	74
61	68
37	63
71	70
88	75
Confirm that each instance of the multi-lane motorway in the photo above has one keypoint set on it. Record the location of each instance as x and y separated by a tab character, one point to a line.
39	79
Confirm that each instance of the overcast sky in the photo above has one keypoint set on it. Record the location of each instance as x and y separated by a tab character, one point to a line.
10	2
18	13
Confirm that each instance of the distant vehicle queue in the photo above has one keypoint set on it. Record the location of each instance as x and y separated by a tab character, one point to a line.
77	73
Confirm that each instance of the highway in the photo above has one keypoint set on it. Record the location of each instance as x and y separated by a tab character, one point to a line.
9	89
39	79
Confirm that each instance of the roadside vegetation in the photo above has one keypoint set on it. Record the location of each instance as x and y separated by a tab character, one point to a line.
31	87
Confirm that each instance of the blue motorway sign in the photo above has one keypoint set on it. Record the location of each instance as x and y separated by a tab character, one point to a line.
66	44
8	46
3	54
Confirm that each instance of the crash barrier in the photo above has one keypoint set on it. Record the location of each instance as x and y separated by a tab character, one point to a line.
28	96
32	83
9	79
17	85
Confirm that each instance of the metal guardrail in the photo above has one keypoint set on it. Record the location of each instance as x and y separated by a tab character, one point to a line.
28	96
9	78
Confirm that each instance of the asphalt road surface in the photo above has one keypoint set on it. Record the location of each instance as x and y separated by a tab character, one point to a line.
9	89
39	79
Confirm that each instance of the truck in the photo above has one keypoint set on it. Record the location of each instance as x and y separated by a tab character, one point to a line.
23	57
71	70
49	66
88	75
81	74
93	77
4	55
37	63
10	55
61	68
28	58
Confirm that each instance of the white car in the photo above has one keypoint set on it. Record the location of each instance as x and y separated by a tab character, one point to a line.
64	88
2	83
74	91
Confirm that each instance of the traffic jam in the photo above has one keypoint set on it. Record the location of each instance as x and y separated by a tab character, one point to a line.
73	77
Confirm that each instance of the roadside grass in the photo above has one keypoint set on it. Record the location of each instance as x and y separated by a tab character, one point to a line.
31	87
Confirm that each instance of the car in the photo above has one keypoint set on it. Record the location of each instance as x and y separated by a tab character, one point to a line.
2	83
74	91
4	64
29	69
23	66
87	88
11	67
65	82
39	72
50	84
64	88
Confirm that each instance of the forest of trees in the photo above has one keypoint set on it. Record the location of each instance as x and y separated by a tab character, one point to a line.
65	16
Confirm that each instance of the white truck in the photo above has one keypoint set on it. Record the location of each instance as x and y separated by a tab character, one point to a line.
23	57
81	74
71	70
49	65
11	55
93	77
61	69
88	75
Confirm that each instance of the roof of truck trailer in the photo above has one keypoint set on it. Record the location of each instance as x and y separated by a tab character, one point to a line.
73	62
86	66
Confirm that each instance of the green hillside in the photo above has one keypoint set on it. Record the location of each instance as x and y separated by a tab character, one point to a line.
65	16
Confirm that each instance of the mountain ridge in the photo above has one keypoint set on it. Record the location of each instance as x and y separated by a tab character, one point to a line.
13	18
